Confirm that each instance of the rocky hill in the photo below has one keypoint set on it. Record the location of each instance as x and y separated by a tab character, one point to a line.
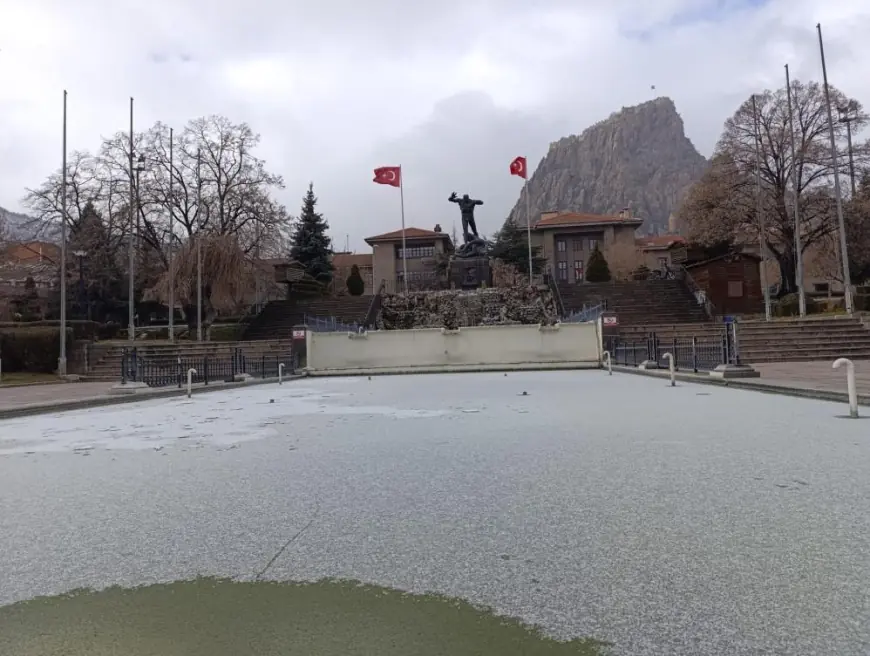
639	156
12	224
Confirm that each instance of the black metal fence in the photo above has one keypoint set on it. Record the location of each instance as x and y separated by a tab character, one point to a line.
168	372
696	353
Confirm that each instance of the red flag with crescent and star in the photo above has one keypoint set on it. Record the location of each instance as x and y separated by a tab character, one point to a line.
518	167
389	175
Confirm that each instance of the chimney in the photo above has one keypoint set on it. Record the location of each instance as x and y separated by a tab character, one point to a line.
437	228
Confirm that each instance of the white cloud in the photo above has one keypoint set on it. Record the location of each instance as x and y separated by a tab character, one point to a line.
451	90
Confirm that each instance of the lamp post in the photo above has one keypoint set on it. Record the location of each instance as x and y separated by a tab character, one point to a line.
171	300
61	361
847	114
131	252
198	247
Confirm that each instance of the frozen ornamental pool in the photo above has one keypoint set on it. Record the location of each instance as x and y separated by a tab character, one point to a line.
694	520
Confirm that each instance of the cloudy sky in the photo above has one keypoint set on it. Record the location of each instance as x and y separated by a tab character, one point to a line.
452	90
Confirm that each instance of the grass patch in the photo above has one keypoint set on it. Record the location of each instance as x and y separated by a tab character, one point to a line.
26	378
216	617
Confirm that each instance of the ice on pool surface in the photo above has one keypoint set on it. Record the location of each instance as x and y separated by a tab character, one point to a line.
219	418
688	521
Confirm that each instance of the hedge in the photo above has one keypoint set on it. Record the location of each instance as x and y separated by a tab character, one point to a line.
32	349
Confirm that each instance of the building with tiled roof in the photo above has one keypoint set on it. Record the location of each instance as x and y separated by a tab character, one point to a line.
421	253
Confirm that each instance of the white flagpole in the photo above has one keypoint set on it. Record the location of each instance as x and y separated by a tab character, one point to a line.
844	252
404	243
799	265
529	224
760	214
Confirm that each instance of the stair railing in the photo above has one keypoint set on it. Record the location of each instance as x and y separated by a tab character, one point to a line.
375	307
700	295
554	289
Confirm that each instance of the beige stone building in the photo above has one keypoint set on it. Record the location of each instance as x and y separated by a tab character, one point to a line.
424	248
567	239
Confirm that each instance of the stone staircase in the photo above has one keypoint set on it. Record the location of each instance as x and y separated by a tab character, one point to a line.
792	340
277	319
106	357
637	302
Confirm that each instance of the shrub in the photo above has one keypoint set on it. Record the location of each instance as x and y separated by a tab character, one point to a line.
356	286
789	306
597	269
32	349
640	273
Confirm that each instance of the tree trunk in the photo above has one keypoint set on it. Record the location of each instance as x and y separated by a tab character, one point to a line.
787	273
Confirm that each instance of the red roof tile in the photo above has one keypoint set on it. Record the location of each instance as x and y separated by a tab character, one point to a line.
579	219
342	260
410	233
660	242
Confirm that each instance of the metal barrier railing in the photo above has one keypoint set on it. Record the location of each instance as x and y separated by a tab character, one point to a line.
695	353
169	372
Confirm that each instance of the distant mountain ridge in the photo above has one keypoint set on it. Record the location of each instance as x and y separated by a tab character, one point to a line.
14	223
638	157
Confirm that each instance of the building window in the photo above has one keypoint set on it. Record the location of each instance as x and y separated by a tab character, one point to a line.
593	243
663	262
578	245
415	252
561	245
563	270
578	270
735	288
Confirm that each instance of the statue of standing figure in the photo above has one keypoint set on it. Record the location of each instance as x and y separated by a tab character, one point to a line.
473	245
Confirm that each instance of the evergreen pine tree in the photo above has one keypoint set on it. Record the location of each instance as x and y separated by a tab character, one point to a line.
311	246
597	269
356	286
511	246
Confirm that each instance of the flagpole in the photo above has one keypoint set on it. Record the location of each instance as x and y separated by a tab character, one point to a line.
799	264
844	251
529	228
404	244
760	214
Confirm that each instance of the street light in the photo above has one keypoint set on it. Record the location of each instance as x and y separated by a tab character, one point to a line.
848	113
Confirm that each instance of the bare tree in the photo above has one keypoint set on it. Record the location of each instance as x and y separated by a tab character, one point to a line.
722	205
216	186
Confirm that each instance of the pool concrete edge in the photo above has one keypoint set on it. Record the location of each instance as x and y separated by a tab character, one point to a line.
747	384
118	399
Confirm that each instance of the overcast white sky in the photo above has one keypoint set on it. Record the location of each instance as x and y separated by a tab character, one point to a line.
452	90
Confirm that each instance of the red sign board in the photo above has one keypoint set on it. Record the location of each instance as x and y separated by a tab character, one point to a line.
610	321
298	334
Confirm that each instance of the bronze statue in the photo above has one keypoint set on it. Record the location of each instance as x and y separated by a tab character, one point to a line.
466	206
473	245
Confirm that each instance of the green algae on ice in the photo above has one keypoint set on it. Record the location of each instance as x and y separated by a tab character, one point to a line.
217	617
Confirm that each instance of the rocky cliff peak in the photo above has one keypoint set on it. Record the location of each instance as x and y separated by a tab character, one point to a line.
639	157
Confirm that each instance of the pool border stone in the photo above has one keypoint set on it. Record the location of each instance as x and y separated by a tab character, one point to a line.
135	396
754	385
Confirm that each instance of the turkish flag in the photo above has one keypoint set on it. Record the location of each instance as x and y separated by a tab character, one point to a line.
518	167
389	175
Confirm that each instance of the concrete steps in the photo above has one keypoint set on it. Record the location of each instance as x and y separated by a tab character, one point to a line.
637	303
277	319
797	340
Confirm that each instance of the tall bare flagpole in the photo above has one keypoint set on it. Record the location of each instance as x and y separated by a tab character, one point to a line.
61	361
404	242
798	251
529	226
844	251
171	235
760	213
131	252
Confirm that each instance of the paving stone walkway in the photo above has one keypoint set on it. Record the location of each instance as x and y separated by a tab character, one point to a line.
816	375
